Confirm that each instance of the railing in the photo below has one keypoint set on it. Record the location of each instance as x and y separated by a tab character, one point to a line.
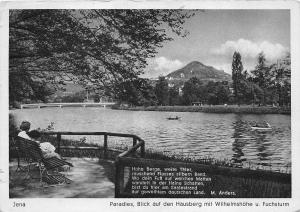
66	104
137	142
119	178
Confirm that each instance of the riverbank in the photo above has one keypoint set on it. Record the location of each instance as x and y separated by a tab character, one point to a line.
213	109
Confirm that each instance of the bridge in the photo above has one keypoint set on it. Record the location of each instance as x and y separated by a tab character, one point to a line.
68	104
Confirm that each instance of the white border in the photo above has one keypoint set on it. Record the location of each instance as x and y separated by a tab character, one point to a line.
82	204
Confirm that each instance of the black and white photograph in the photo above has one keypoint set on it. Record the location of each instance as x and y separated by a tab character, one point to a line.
191	106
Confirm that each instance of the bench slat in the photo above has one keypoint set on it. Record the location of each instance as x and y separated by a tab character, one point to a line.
31	150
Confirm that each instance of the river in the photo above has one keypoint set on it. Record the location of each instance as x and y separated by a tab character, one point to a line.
221	136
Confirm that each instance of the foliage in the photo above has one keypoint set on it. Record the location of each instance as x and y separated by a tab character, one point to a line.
76	97
237	68
192	91
162	91
272	81
23	87
96	98
97	47
222	93
135	92
281	80
243	109
13	129
174	98
262	75
214	93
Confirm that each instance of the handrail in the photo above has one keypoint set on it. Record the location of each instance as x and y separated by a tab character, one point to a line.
65	104
135	146
119	171
89	133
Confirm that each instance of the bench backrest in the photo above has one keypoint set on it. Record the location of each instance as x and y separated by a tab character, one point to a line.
29	149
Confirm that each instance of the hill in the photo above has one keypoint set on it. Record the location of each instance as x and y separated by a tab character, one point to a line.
199	70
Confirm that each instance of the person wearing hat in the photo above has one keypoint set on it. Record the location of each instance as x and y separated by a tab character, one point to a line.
24	127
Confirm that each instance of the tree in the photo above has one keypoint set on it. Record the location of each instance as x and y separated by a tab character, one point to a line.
193	91
237	68
148	93
174	98
281	79
102	47
24	88
162	91
76	97
217	93
136	92
262	75
222	93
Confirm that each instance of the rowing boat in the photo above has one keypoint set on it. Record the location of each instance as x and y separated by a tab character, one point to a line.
268	127
173	118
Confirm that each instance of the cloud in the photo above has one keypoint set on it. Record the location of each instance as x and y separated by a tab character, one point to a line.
162	66
250	49
226	67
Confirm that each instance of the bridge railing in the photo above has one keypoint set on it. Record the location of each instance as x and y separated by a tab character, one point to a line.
65	104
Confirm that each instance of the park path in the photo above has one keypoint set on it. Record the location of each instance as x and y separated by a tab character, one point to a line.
91	179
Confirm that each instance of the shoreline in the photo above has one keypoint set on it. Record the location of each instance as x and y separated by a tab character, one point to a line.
213	109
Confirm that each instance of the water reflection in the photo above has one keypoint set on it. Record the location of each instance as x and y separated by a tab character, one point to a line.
257	148
239	142
262	147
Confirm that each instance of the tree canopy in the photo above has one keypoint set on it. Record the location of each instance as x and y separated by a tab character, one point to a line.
237	68
98	47
162	91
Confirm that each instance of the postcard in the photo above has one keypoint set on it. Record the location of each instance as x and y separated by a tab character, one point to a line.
149	105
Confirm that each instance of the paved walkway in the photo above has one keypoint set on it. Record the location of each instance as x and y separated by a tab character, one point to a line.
91	179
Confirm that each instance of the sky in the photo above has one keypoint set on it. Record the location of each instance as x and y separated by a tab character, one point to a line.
214	35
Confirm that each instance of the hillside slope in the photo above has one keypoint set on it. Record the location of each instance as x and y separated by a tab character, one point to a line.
199	70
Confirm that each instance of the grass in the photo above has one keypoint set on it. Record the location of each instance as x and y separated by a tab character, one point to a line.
177	157
215	109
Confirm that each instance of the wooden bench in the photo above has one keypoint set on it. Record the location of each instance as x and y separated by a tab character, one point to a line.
31	152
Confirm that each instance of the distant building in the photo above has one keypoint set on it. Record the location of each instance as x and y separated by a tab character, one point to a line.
180	92
67	93
197	103
171	85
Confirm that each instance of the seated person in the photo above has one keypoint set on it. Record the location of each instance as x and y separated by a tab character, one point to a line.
48	150
24	127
